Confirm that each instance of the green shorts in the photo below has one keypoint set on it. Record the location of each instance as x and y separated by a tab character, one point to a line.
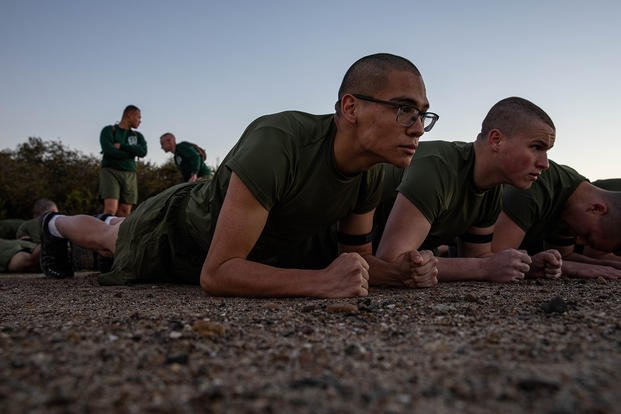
9	248
118	185
156	243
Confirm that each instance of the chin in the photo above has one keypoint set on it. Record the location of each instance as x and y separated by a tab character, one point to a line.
401	162
522	185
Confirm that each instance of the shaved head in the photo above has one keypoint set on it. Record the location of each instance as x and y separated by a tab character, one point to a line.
511	114
370	74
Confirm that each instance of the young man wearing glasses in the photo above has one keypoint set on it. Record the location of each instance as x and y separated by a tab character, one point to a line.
561	206
452	190
289	175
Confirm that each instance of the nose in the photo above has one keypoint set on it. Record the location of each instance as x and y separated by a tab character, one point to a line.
416	129
542	162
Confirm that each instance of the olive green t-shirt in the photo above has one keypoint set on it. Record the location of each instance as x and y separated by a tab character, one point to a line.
189	162
9	248
8	228
537	209
440	183
132	145
286	161
610	184
30	230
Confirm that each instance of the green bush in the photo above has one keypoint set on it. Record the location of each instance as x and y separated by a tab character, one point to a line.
49	169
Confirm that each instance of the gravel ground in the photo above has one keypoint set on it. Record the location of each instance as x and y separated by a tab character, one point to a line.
534	346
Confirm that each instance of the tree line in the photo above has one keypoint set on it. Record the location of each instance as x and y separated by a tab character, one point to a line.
49	169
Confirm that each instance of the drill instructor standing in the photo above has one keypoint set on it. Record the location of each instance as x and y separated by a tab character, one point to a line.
120	145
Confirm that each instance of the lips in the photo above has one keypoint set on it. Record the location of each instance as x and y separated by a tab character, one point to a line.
409	149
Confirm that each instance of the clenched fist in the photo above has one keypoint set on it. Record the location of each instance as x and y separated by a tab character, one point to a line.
346	276
546	264
422	270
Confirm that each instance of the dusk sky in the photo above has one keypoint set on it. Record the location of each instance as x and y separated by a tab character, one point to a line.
203	70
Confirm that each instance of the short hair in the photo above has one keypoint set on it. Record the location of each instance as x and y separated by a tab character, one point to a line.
370	74
130	108
166	134
509	114
43	205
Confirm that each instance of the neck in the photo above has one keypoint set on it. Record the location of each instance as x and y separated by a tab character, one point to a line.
124	124
348	155
483	176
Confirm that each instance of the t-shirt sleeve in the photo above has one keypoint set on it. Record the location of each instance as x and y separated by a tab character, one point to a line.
428	185
263	163
370	190
491	209
522	206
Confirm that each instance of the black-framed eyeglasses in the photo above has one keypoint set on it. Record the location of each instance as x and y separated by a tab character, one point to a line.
407	115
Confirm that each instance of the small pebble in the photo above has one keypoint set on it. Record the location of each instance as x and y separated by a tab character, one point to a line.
208	329
555	305
342	308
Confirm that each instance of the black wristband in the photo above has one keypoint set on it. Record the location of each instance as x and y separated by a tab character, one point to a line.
561	241
354	240
477	238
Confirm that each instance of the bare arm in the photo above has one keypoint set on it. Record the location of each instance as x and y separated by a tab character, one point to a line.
508	235
480	263
598	254
411	269
226	271
589	271
604	260
407	228
581	266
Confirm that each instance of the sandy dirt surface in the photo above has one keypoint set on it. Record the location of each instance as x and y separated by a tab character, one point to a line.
534	346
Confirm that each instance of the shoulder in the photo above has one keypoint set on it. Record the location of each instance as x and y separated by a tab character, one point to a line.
610	184
449	158
300	126
561	172
558	180
444	150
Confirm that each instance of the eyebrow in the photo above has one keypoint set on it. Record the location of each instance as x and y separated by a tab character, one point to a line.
542	142
409	101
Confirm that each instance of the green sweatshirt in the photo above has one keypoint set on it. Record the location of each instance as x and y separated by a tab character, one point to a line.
124	158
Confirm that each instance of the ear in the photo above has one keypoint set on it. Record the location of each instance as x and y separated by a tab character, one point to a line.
598	208
494	139
348	108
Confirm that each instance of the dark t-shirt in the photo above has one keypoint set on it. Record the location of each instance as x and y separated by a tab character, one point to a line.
610	184
287	161
537	210
30	230
8	228
439	182
9	248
